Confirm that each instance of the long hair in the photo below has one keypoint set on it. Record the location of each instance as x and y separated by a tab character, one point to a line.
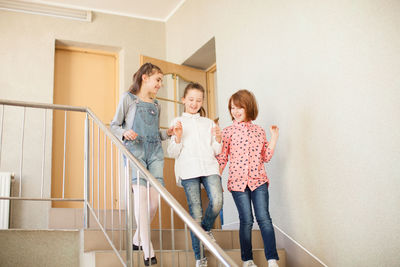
148	69
196	86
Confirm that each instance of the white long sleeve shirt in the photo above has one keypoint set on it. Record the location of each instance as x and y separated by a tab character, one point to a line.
195	154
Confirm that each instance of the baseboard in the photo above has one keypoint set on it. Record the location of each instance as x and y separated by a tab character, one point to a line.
296	254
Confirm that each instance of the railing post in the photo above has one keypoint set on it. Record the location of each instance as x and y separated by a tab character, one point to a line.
89	193
86	168
128	215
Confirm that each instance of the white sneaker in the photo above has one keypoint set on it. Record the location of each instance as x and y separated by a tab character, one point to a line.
272	263
210	234
202	262
249	263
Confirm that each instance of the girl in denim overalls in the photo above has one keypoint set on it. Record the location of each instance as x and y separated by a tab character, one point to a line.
136	122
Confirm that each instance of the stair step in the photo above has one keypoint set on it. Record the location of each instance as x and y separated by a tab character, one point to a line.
177	258
226	239
98	252
21	247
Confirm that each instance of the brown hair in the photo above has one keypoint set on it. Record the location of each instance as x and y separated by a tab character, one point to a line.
195	86
148	69
246	100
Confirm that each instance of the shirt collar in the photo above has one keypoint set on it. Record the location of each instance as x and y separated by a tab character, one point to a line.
243	124
188	115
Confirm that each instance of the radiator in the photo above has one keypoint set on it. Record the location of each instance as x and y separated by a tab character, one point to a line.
5	186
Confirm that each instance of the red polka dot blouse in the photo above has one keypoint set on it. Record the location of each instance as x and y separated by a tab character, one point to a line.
245	145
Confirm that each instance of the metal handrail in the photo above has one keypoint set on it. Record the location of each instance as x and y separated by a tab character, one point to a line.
171	201
41	105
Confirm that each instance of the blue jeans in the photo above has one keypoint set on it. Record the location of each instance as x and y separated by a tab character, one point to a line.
212	184
260	199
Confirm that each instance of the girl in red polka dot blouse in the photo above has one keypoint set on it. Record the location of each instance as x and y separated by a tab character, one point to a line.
246	148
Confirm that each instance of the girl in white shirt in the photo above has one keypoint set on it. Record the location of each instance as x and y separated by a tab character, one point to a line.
194	145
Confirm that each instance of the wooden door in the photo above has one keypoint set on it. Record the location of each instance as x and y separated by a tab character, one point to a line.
81	78
176	77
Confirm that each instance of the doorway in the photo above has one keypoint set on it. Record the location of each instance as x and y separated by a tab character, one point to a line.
176	77
82	77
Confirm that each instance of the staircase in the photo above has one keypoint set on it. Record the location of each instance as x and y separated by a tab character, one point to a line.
98	253
67	244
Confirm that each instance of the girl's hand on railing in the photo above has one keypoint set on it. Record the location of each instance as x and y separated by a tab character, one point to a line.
130	135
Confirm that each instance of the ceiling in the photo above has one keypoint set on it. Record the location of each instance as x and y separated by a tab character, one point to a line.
204	57
159	10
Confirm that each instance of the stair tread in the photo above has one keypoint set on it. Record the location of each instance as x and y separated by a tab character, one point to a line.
226	239
181	258
173	250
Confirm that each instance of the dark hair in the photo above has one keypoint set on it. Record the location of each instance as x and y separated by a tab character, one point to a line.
148	69
246	100
195	86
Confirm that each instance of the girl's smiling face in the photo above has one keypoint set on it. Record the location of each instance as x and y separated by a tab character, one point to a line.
238	113
153	83
193	101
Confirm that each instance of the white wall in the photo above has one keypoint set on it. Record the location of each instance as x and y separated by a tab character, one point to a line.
328	74
26	73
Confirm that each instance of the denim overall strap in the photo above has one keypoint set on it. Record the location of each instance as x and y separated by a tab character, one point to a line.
135	100
146	120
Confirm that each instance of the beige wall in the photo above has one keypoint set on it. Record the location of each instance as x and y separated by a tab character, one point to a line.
26	73
327	72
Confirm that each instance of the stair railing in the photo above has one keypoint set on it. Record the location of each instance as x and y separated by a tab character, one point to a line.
120	185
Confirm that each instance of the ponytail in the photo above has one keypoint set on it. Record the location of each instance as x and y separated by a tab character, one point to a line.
148	69
202	112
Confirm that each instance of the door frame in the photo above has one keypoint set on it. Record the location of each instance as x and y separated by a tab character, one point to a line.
188	74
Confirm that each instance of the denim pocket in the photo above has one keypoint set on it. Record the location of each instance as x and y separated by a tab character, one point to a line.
153	140
148	115
155	148
137	140
135	146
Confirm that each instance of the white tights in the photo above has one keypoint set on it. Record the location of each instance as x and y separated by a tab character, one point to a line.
142	214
